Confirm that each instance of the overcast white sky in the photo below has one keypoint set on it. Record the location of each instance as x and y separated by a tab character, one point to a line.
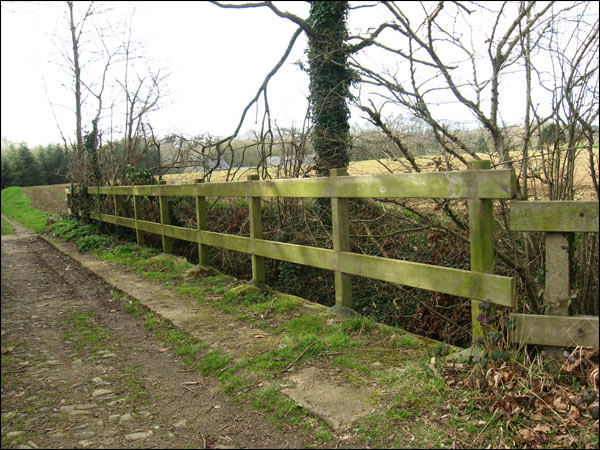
216	58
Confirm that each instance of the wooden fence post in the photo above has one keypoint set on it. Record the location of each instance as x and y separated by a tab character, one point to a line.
137	214
341	243
481	231
167	242
201	225
256	232
118	207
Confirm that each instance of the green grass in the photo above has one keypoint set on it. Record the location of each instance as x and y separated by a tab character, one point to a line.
7	228
17	205
350	363
84	333
88	237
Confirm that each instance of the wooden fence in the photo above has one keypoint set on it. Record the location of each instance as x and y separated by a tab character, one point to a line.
556	218
478	184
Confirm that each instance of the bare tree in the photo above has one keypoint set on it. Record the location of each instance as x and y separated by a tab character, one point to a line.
550	48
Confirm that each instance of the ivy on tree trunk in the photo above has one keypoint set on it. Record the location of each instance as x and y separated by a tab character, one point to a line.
330	79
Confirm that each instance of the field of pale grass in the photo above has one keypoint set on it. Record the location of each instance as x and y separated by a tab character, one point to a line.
584	189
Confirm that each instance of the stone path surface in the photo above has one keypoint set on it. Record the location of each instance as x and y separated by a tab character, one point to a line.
133	394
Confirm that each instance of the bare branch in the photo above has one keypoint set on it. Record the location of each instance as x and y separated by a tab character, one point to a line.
303	24
263	86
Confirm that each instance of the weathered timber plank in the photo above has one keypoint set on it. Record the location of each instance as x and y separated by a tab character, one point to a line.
554	216
560	331
457	184
463	283
299	254
185	234
230	242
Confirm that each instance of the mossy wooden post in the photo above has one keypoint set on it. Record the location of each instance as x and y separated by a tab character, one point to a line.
118	208
167	242
137	214
201	225
341	243
256	232
481	230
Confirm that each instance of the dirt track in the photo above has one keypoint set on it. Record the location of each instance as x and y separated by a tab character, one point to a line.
131	394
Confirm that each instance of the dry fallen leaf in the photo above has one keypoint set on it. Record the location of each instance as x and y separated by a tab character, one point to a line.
559	404
574	413
537	417
527	435
497	379
541	428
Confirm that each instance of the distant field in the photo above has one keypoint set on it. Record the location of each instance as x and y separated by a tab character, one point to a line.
370	167
583	186
50	199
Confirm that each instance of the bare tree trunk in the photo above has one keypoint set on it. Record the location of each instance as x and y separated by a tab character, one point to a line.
79	174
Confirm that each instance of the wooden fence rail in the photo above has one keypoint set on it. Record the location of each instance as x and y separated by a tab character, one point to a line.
478	184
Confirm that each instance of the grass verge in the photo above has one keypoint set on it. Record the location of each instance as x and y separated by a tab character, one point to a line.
17	205
7	228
